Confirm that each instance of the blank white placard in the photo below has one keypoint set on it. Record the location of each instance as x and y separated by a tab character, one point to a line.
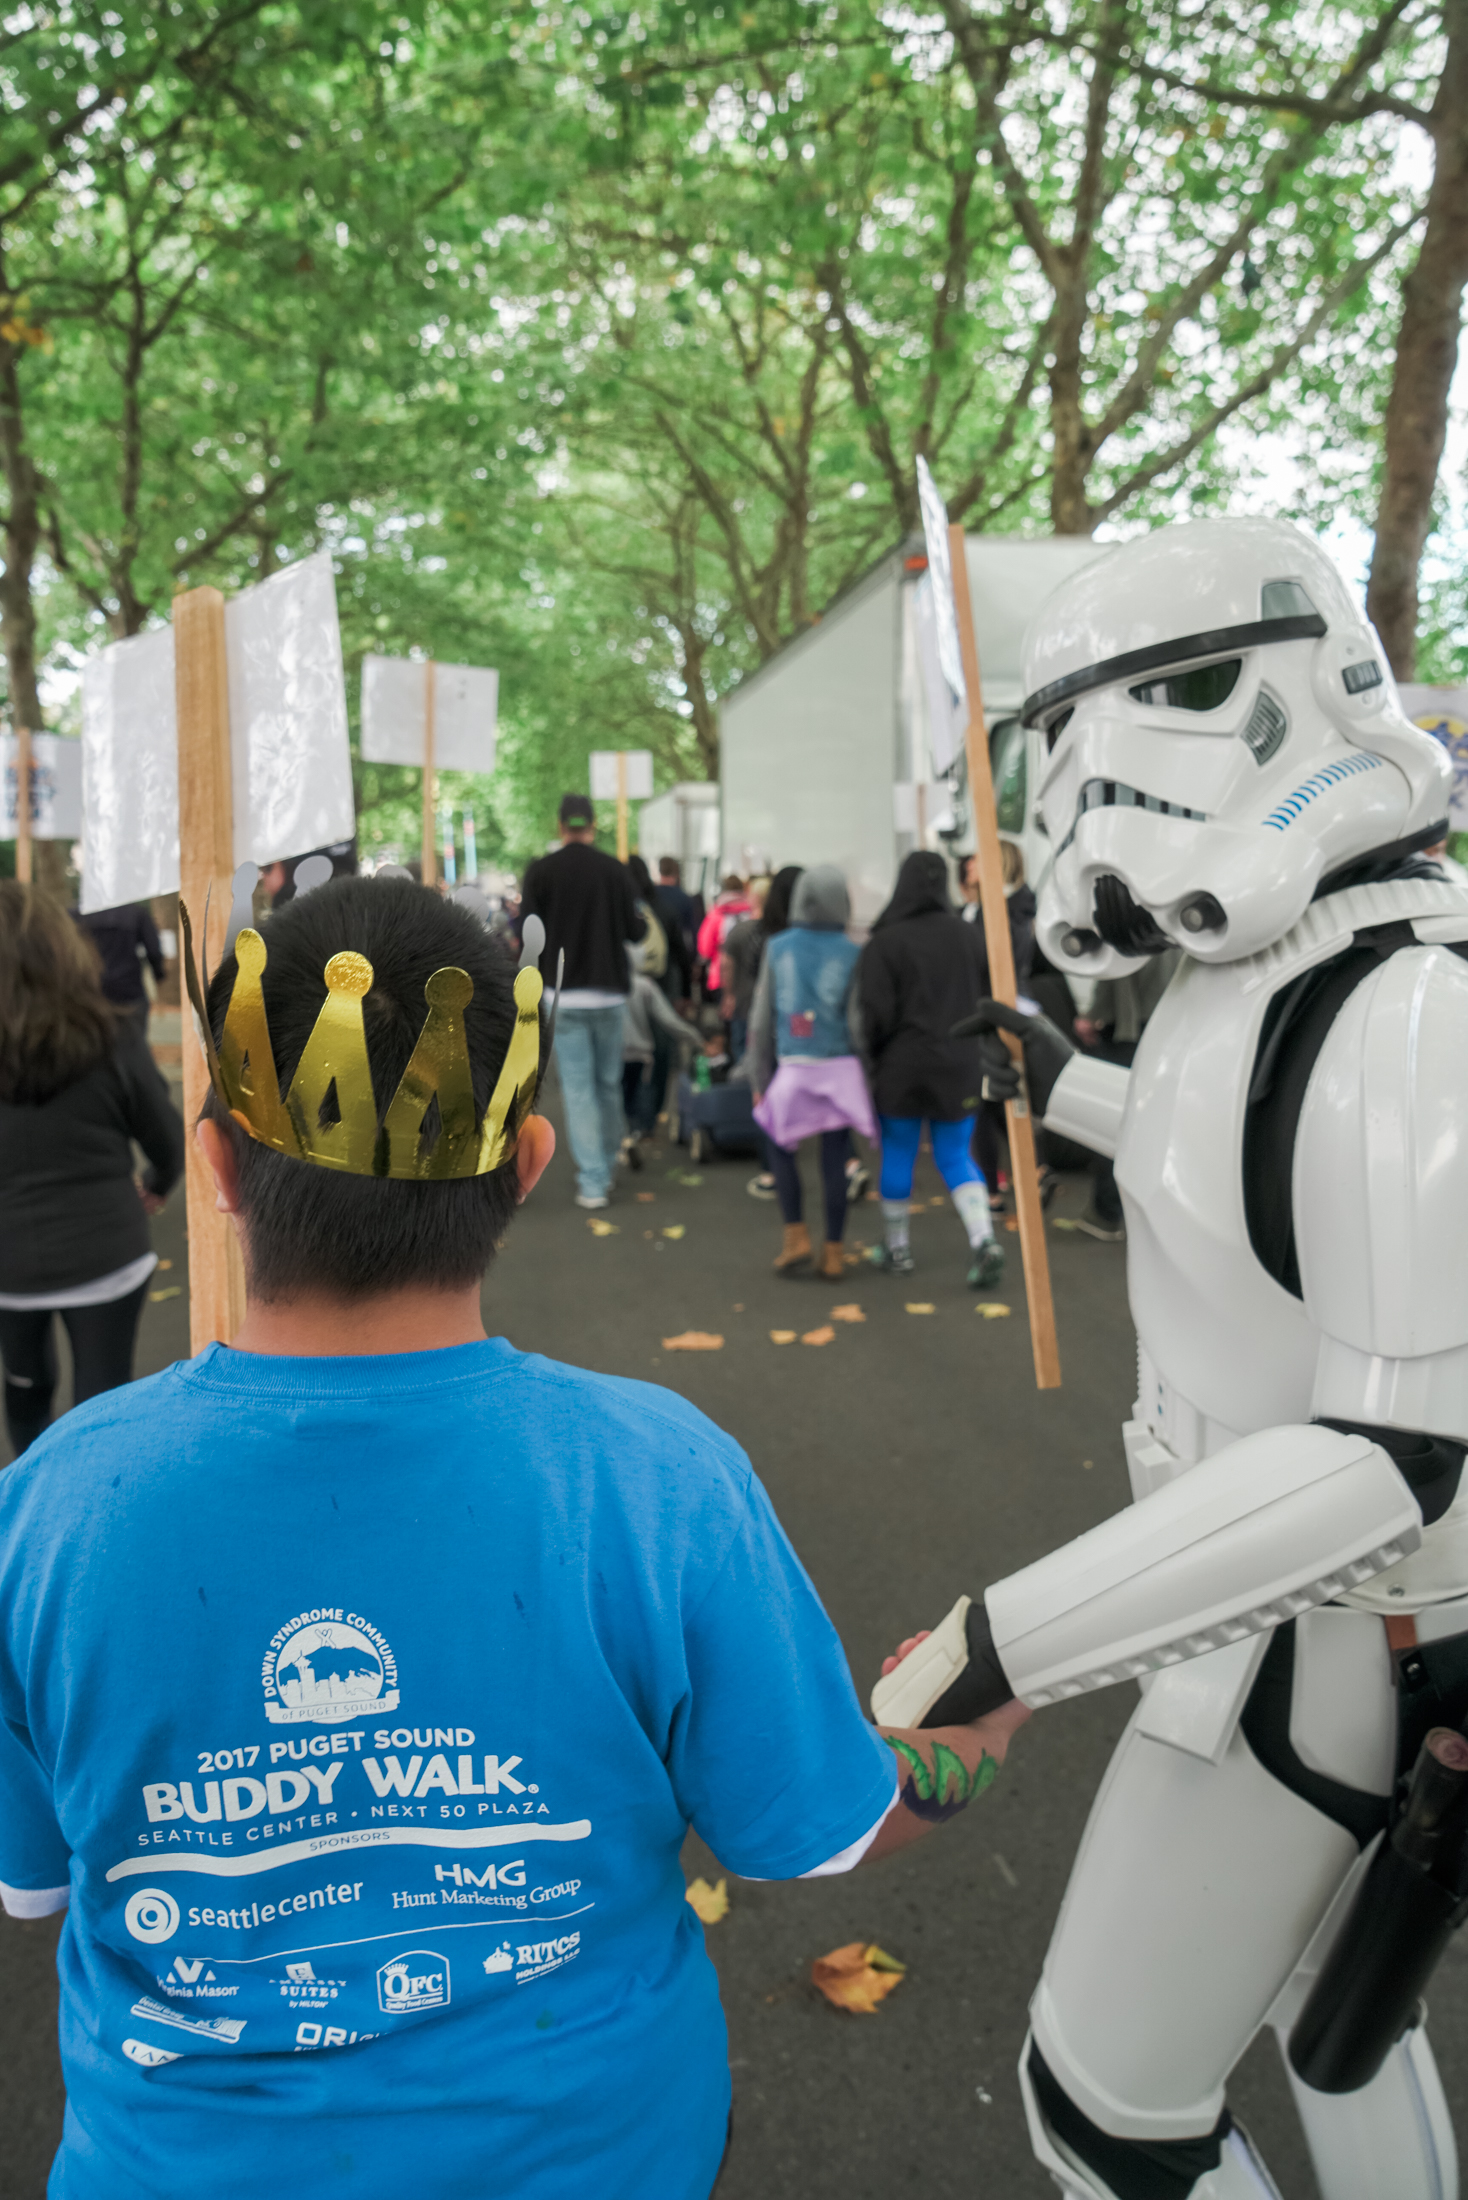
604	774
395	713
292	767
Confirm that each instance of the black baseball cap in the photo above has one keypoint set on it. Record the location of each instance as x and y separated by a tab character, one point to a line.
576	810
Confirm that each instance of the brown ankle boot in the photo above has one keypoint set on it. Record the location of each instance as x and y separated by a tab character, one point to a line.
795	1253
832	1266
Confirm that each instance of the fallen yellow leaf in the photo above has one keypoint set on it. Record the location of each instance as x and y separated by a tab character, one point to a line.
921	1306
709	1903
856	1977
847	1314
169	1291
674	1229
693	1340
1062	1222
991	1310
647	1198
827	1335
782	1336
939	1202
1011	1222
165	1263
598	1228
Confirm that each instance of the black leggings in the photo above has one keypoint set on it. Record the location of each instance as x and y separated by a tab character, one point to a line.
835	1153
101	1351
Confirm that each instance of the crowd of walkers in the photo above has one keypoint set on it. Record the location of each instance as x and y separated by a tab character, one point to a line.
828	1040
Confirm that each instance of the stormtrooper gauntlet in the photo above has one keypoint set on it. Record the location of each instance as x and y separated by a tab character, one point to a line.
1259	1533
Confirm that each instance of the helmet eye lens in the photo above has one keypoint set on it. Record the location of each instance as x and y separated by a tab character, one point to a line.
1204	688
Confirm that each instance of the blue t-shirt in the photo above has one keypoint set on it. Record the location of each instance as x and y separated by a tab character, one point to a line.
365	1703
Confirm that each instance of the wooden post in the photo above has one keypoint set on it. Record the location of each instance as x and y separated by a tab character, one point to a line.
206	871
23	843
621	806
429	863
1022	1163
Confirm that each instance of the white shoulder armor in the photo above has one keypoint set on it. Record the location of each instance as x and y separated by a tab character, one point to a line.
1380	1197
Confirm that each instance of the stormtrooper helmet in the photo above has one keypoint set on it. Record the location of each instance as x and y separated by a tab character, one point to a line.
1224	734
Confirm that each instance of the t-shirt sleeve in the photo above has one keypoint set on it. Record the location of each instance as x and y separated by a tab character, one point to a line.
772	1761
34	1859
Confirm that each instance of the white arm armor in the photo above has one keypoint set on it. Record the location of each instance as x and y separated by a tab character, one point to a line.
1263	1530
1086	1103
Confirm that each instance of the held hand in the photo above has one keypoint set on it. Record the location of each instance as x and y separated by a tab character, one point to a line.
890	1665
153	1202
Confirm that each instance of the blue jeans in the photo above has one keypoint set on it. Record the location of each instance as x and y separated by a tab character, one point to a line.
589	1057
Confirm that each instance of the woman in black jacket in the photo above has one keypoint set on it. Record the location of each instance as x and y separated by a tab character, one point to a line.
921	971
77	1087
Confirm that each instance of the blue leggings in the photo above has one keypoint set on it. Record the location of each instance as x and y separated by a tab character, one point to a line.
900	1137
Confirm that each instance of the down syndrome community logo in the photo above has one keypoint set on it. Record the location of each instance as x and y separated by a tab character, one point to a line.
327	1666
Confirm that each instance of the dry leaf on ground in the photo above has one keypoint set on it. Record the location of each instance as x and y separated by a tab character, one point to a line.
165	1263
169	1291
693	1340
938	1202
674	1229
598	1228
782	1336
991	1310
847	1314
824	1335
856	1977
709	1903
1011	1222
647	1198
921	1306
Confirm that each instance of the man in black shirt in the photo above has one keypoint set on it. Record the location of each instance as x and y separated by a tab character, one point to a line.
124	938
585	901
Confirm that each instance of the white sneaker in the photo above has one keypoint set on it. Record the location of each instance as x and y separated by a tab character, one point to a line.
592	1200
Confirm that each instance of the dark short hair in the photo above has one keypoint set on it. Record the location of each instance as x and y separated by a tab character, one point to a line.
312	1229
669	867
576	811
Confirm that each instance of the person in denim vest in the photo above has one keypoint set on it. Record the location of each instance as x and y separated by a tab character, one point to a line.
805	1061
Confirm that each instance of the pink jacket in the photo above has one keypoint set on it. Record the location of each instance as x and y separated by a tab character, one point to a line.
715	929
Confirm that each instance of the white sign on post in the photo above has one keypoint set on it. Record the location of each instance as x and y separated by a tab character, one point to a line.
395	713
292	766
56	787
637	763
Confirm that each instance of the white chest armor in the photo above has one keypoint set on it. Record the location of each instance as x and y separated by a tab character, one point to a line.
1379	1332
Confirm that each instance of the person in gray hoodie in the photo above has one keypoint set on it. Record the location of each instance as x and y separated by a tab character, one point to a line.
804	1060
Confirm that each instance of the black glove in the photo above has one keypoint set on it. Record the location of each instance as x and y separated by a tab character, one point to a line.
1046	1052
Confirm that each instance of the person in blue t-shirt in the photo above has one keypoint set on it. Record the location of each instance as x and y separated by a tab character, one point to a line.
359	1682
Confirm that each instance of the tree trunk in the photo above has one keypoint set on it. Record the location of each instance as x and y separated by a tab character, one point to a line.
1426	355
21	535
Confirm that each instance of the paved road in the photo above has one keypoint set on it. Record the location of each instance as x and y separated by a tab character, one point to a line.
910	1459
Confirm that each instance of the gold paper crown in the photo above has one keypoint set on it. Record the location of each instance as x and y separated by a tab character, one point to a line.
334	1065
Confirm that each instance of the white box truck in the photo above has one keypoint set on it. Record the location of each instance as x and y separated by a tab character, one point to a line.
683	821
840	748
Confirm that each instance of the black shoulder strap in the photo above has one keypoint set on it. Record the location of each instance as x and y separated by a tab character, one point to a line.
1295	1029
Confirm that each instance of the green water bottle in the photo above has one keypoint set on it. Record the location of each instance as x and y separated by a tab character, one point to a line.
702	1077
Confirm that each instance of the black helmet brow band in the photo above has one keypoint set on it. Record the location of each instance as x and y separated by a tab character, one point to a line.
1189	647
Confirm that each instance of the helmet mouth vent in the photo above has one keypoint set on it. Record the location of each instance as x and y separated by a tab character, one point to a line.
1131	930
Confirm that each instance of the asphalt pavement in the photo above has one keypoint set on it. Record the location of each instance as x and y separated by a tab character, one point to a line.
911	1459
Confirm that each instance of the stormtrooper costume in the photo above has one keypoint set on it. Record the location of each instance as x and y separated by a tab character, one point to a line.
1231	773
